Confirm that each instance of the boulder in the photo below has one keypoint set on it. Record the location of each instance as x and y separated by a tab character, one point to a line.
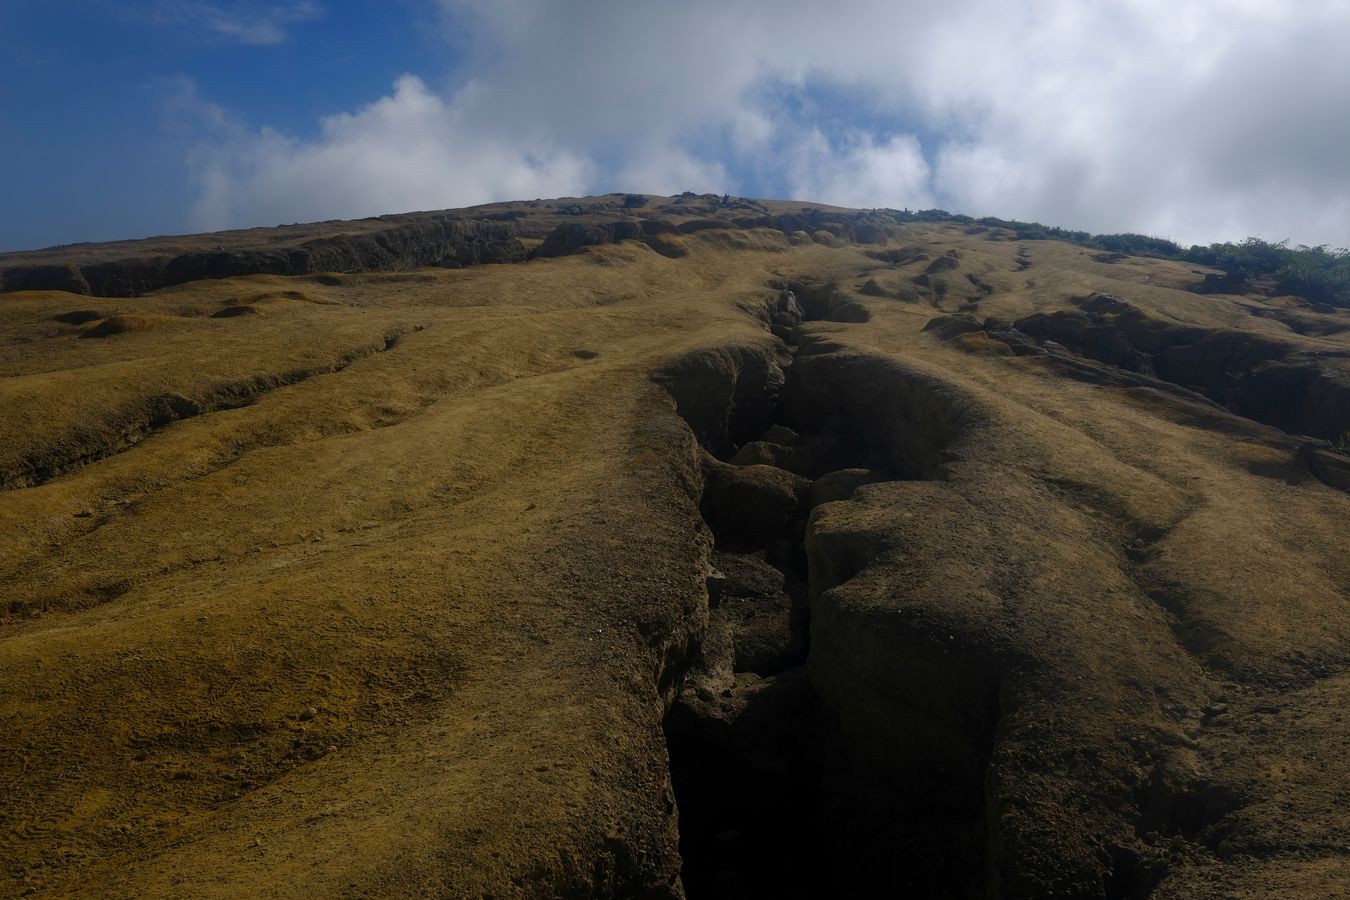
840	485
749	505
780	434
1331	468
757	453
766	612
786	310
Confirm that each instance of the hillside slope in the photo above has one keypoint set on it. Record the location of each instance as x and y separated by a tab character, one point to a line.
729	549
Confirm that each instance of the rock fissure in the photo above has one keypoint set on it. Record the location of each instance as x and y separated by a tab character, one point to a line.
777	795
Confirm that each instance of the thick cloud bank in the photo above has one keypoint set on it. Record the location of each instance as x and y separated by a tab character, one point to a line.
1202	121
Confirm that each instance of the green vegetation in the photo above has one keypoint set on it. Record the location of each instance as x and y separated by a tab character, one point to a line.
1317	274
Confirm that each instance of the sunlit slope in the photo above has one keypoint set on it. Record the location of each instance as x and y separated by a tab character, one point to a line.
383	583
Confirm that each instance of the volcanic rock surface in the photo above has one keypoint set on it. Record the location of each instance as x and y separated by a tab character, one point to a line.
709	547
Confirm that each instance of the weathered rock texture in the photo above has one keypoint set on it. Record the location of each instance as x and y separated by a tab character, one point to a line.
450	242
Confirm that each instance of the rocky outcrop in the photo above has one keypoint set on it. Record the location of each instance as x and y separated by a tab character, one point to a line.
1091	334
428	240
1272	381
66	277
573	237
1330	467
826	303
728	395
449	242
854	227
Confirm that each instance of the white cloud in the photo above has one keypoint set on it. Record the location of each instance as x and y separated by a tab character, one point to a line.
662	168
860	172
411	150
248	23
1213	120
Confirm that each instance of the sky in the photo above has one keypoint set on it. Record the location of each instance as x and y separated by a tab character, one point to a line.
1200	121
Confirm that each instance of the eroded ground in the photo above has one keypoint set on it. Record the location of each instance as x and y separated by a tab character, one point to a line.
927	561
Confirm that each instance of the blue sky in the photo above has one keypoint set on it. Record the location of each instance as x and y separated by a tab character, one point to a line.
1211	120
97	139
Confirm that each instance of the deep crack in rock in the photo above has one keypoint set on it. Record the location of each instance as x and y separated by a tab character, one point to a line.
776	798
